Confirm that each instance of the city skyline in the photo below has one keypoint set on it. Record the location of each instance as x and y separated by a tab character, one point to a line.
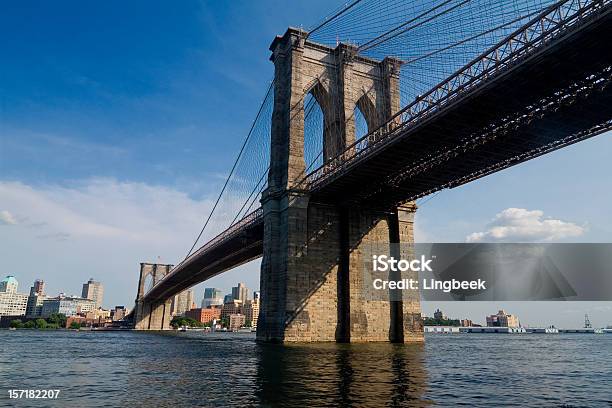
559	314
78	184
92	290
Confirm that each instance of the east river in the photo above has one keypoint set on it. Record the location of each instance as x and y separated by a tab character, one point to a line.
121	369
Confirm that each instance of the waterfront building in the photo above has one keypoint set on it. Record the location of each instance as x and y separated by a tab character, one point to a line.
502	319
38	287
204	315
236	321
88	321
240	292
67	305
85	305
212	297
250	309
230	308
182	302
34	305
35	299
9	284
97	314
438	315
11	302
94	291
467	323
119	312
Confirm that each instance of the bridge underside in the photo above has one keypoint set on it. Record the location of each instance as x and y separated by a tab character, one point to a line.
558	96
205	264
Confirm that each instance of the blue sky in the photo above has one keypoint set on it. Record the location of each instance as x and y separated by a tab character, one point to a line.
157	93
120	120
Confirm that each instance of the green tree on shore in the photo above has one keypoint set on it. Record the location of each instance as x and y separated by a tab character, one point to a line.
430	321
179	321
40	323
58	319
16	324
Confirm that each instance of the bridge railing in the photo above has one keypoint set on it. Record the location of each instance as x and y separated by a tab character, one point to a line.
235	229
552	22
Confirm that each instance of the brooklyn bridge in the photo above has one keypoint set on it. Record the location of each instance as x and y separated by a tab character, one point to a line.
380	104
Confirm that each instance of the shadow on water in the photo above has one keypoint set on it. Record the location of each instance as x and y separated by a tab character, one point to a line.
344	375
234	370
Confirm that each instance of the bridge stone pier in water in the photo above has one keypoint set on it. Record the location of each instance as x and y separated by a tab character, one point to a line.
151	315
311	272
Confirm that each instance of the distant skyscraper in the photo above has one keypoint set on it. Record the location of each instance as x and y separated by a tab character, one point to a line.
36	298
93	290
228	299
251	311
212	297
240	292
9	284
256	295
38	287
182	302
439	315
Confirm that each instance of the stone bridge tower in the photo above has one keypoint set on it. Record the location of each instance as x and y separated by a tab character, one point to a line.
311	277
151	316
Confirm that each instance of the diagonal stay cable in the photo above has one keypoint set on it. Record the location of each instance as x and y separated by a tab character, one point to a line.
332	18
257	189
382	38
499	27
231	171
253	191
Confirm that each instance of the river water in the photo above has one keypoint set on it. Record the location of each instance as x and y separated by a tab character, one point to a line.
113	369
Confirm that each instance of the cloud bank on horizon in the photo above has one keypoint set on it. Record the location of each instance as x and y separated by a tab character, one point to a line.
522	225
6	218
100	228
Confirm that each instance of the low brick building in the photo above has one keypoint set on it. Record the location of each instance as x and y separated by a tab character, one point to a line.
204	315
230	308
250	310
236	321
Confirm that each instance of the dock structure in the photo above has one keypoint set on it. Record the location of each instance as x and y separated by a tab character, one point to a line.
583	330
543	330
441	329
492	330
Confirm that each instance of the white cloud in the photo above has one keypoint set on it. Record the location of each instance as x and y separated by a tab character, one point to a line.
7	218
521	225
106	208
101	228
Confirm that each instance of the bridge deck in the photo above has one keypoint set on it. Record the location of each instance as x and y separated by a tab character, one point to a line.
239	244
456	144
